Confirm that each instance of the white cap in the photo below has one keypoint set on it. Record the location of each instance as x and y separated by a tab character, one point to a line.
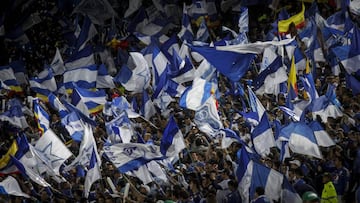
296	162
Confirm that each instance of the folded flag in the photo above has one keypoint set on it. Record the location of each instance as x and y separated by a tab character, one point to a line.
301	139
130	156
10	186
196	95
172	141
93	174
322	137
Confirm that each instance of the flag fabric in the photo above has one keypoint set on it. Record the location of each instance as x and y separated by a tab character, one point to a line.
270	68
98	10
54	151
301	139
323	107
88	31
159	64
298	20
78	59
170	46
44	84
56	104
15	117
202	33
229	137
263	137
84	77
353	58
103	79
322	137
233	65
18	67
309	86
43	118
10	186
186	32
93	100
74	125
93	174
255	104
196	95
57	64
119	129
172	141
130	156
87	146
137	79
207	118
353	83
148	108
7	76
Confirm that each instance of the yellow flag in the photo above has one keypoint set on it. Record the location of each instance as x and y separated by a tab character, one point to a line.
11	152
298	20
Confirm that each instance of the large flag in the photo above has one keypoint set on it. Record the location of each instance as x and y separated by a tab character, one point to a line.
104	80
301	139
88	31
52	150
298	20
186	32
43	84
10	186
82	58
92	101
351	58
130	156
196	95
93	174
57	64
84	77
207	118
7	76
172	141
233	65
263	137
42	117
86	148
15	117
322	137
138	79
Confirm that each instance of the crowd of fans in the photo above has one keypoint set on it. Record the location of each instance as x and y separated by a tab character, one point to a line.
204	172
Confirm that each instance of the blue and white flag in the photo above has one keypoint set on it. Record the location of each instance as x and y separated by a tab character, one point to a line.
57	64
103	79
86	148
203	33
233	65
54	151
74	125
274	65
255	104
88	31
263	137
7	76
301	139
186	33
195	96
120	129
93	101
130	156
82	58
159	64
10	186
207	118
322	137
117	106
44	83
43	118
243	23
19	69
172	141
137	79
309	86
170	46
56	104
148	108
229	137
324	107
15	117
84	77
93	174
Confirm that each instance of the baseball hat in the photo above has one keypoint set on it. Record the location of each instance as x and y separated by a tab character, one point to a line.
296	162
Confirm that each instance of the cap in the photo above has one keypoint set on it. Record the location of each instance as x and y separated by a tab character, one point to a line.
296	162
309	196
147	188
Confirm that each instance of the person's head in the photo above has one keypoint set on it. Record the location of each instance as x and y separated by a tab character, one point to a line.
232	185
310	197
338	162
259	191
326	177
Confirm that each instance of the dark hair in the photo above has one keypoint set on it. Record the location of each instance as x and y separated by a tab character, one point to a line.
260	191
